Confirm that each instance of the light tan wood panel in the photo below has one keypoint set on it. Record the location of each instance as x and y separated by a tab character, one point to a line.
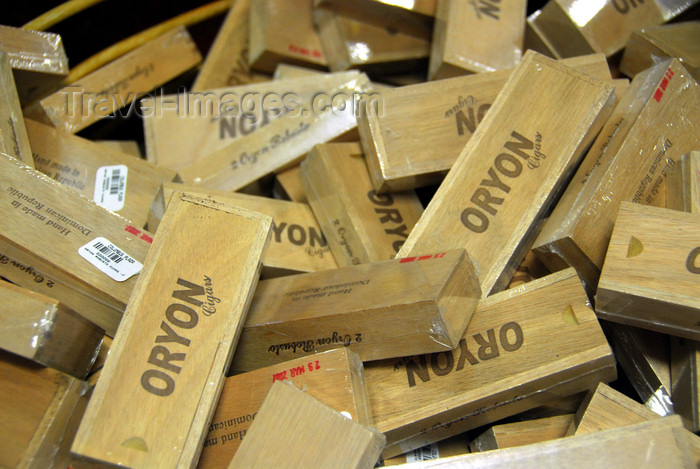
165	371
117	84
13	134
523	348
380	310
655	123
45	331
510	435
512	169
361	225
651	275
315	436
685	371
335	378
683	185
473	37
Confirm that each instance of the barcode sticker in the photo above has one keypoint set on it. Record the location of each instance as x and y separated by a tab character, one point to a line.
110	187
111	260
426	453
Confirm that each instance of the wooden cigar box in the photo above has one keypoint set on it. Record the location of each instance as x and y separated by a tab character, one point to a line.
684	381
449	447
115	86
297	243
523	348
182	129
39	408
606	408
645	358
29	278
415	18
288	185
335	378
285	71
570	28
309	434
513	168
510	435
173	363
130	147
653	125
226	63
45	331
348	43
683	185
13	134
361	226
67	237
648	46
38	60
312	117
621	447
651	274
473	37
418	133
274	38
380	310
112	179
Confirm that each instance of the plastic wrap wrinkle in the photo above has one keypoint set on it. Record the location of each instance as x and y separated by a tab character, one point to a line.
660	402
359	51
583	11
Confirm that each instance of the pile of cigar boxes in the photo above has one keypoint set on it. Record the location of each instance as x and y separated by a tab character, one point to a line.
352	234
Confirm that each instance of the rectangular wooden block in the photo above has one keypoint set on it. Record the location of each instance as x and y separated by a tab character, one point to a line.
274	38
43	330
120	82
38	59
284	141
685	371
570	29
226	63
165	371
297	243
13	134
645	358
619	447
288	185
401	141
37	405
361	226
116	181
683	185
182	129
322	437
348	43
66	237
130	147
381	310
651	274
523	348
649	45
510	435
335	378
513	168
655	123
606	408
473	37
415	18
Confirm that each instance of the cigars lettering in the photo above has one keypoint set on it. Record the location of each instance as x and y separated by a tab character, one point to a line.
300	236
391	216
179	318
505	166
510	337
468	113
623	6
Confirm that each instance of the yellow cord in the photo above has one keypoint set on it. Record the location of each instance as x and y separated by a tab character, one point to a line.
59	13
127	45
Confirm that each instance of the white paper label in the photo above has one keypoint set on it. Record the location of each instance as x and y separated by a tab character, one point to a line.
111	260
110	187
426	453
